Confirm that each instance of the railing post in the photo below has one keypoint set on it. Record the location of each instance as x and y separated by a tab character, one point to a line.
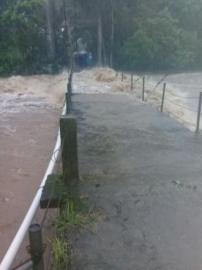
199	113
68	94
122	76
163	97
68	130
131	85
143	88
36	246
69	84
68	102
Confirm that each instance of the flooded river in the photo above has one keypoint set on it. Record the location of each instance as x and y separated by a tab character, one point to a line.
29	111
181	98
185	85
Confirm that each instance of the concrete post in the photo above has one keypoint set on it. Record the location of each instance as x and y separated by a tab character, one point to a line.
36	246
68	130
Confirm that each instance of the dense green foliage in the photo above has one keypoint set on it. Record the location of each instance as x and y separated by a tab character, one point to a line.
36	35
22	36
159	44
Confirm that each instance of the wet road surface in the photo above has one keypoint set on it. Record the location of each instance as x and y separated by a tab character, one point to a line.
143	170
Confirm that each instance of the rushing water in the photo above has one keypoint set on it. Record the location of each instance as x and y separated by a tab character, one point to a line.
186	86
28	122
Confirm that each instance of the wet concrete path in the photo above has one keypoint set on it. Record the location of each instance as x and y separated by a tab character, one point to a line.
144	171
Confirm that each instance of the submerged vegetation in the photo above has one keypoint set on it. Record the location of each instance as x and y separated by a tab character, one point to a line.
40	35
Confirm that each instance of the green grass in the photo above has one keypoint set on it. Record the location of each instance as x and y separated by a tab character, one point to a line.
74	216
61	254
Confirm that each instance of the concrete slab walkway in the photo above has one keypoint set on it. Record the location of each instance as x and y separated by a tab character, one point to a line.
144	170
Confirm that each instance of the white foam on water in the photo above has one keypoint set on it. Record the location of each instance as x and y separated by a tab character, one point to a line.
181	99
85	82
13	103
21	93
32	90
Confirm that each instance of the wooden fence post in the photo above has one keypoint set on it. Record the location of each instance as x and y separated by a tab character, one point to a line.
122	76
199	113
69	83
68	96
143	88
68	130
163	96
36	246
131	85
68	102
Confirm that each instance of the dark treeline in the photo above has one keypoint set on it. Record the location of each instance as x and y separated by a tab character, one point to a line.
40	35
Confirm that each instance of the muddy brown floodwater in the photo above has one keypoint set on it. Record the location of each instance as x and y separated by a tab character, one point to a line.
28	130
24	155
29	112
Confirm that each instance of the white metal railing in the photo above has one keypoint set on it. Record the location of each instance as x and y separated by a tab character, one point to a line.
19	237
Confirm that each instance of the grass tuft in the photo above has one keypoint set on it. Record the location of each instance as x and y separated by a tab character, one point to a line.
61	253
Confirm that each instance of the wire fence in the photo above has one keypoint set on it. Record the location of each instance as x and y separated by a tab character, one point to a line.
162	94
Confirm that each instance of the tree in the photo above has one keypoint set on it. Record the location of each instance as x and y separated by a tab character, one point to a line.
135	34
159	44
50	19
18	49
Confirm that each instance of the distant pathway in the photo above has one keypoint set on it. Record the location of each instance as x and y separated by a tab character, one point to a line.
143	170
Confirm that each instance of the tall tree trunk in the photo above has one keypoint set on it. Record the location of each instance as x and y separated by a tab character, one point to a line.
99	40
112	35
49	6
104	55
68	35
